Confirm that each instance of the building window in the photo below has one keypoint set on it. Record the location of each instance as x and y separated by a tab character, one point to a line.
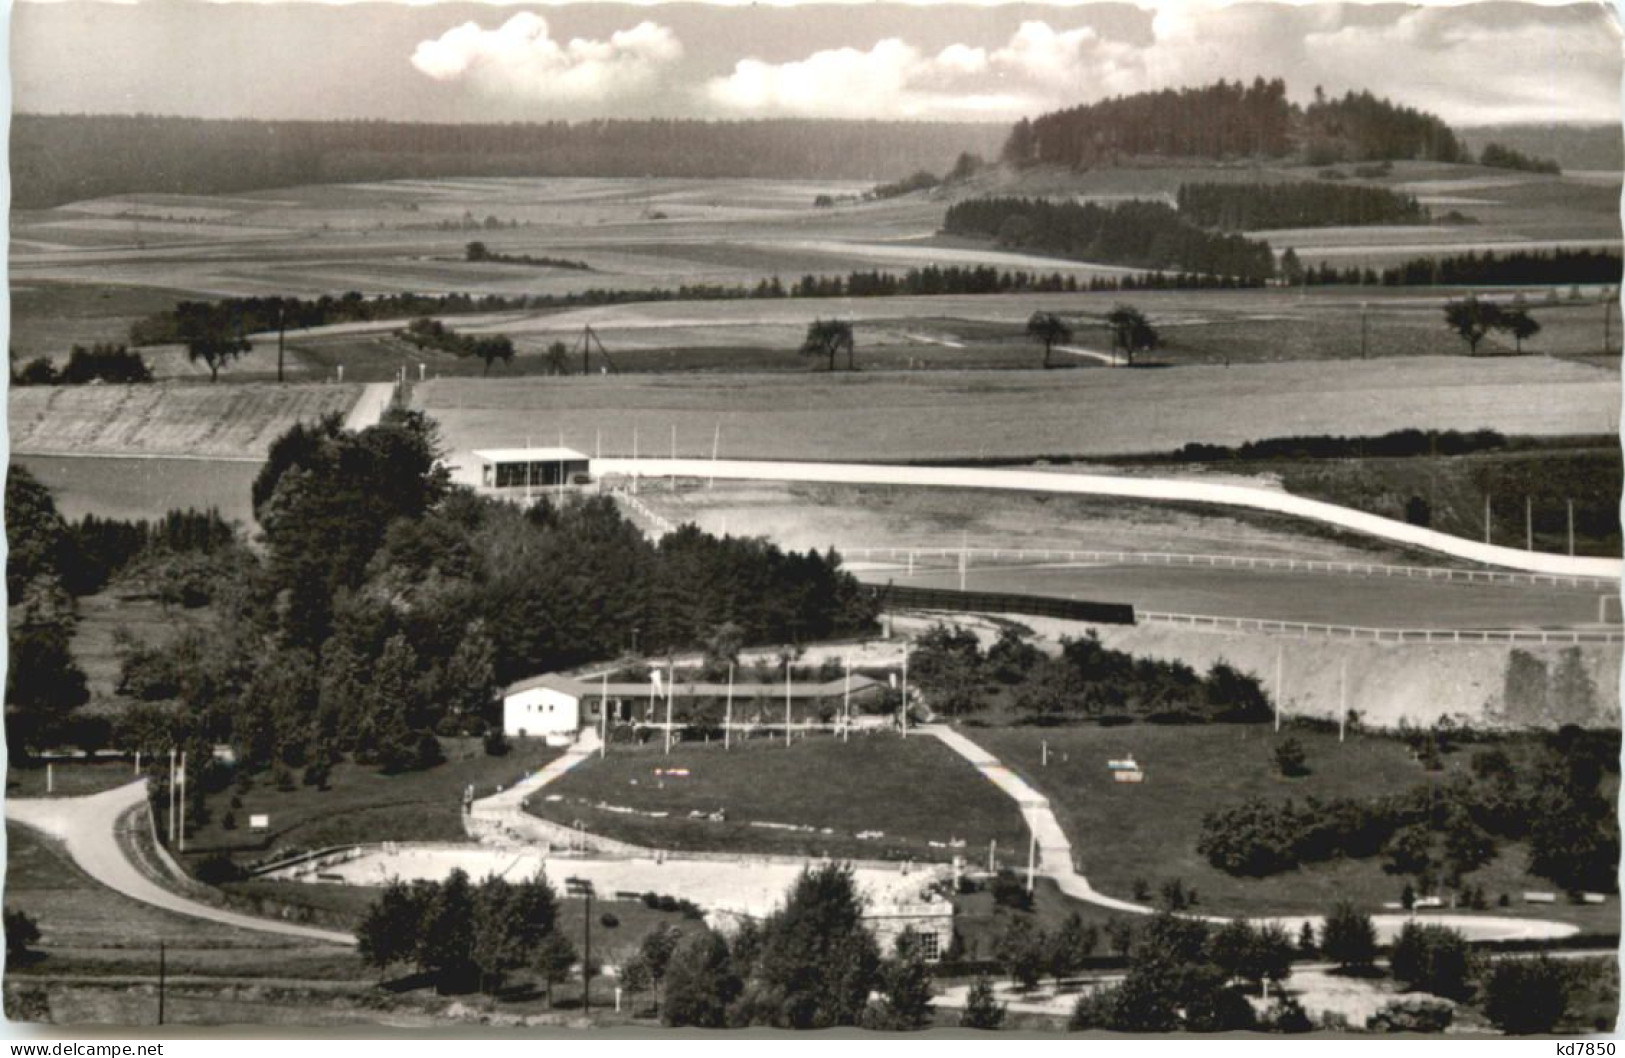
930	946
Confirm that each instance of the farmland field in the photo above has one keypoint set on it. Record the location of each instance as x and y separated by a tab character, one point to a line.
1192	770
949	414
905	793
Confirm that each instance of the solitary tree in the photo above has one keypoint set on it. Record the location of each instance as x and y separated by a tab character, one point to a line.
492	348
701	982
827	338
1348	938
1520	325
1049	330
982	1010
476	251
22	933
1131	331
552	959
209	336
1472	320
1290	759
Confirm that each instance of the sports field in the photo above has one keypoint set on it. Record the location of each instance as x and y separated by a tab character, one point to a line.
1365	602
909	798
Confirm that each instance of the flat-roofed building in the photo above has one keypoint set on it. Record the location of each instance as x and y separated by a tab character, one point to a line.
520	468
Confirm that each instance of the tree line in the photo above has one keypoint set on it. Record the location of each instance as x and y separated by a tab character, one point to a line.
1089	680
1138	234
426	332
1515	268
1438	833
1294	204
101	362
1395	444
63	158
1497	156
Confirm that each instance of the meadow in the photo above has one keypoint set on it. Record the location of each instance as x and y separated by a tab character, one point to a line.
941	415
908	793
116	487
1125	832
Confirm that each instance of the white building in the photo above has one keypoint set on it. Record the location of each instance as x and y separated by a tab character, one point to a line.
542	707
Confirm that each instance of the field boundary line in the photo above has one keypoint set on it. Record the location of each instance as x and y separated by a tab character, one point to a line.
1157	489
191	457
1174	558
1464	636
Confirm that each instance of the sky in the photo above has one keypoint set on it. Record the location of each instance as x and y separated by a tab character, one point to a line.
1472	63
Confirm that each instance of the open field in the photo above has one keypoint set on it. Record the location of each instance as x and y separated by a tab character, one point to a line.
70	778
364	805
114	487
914	792
231	422
94	642
1123	832
85	270
1276	595
946	414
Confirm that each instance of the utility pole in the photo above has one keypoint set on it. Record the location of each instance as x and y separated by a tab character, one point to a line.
1343	707
1486	517
1529	523
586	957
603	717
160	982
181	834
280	327
846	705
1280	655
671	691
787	661
728	716
172	795
905	690
1571	528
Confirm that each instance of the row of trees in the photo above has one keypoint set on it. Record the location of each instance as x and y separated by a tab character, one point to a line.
1517	268
1395	444
426	332
99	363
812	964
1139	234
1294	204
1472	319
1497	156
66	158
956	676
1438	833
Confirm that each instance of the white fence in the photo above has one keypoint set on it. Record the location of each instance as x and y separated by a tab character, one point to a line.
1469	636
1163	558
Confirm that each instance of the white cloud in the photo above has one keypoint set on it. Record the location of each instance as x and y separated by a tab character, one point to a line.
1471	66
522	59
896	79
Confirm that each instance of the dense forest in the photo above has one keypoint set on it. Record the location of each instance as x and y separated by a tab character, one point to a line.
1300	204
66	158
1231	120
384	609
1138	234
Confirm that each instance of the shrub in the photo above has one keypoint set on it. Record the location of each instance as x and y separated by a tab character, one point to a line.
1291	760
1412	1015
217	868
608	920
1432	959
1523	996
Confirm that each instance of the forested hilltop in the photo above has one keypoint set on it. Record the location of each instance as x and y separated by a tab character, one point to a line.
65	158
1232	120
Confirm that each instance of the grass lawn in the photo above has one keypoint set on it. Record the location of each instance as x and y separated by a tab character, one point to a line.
70	778
112	487
363	805
916	791
1123	832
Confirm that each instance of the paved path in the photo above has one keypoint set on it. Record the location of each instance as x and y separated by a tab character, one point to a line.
1056	862
87	827
501	819
370	408
1140	488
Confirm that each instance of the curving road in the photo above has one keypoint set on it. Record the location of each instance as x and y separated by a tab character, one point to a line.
87	827
1147	488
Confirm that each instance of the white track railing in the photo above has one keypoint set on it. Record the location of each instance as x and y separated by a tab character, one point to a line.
1164	558
1466	636
1139	488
